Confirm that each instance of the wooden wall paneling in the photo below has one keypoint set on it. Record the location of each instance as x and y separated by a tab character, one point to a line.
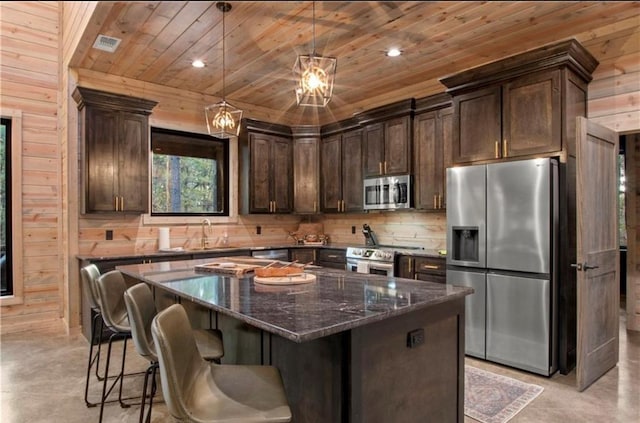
30	88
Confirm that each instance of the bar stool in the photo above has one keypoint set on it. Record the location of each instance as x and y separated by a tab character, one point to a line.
201	391
111	289
89	276
141	310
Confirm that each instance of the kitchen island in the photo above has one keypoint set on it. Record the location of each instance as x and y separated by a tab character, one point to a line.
351	347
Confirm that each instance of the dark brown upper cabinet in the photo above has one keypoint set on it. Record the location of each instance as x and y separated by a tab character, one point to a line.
432	128
306	170
520	106
387	139
266	174
341	172
114	133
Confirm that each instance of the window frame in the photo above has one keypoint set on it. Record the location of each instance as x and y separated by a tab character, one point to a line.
7	123
232	195
16	209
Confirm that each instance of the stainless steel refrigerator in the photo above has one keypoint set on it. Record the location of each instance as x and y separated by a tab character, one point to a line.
502	225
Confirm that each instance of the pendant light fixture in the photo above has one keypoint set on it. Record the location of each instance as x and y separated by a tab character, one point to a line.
223	119
314	75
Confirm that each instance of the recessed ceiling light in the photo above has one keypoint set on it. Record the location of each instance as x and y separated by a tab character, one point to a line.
198	64
394	52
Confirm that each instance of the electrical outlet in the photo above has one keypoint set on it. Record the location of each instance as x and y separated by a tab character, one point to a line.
258	230
108	234
415	338
353	229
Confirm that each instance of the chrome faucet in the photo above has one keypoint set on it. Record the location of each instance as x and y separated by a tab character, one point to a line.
204	241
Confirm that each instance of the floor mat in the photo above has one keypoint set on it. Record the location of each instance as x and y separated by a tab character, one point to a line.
492	398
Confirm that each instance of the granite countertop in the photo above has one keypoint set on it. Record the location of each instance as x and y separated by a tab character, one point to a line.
197	251
336	301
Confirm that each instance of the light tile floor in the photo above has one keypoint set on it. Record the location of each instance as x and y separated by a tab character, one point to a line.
42	380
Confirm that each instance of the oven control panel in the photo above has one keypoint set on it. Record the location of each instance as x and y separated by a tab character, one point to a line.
370	254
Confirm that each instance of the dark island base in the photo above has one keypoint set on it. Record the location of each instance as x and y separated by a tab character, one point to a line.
369	374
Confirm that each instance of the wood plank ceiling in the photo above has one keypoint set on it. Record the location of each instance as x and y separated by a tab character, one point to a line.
161	39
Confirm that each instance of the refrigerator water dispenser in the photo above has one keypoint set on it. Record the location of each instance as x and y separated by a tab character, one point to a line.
466	242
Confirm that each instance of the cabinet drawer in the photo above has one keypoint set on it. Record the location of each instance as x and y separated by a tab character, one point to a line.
431	265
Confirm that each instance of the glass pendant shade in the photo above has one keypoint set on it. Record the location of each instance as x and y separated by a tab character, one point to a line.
223	120
315	75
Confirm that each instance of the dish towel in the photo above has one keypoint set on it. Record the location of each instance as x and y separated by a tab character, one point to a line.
363	266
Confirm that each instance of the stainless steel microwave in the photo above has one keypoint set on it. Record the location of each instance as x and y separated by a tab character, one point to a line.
387	192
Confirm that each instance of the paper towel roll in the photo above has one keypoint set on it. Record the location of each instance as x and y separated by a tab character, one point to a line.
163	239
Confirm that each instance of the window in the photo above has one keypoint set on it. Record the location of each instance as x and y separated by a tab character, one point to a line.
6	282
190	174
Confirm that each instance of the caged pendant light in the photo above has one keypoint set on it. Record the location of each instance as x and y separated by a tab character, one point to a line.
314	75
223	119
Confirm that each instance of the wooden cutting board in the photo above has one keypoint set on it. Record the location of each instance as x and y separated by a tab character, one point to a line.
236	269
286	280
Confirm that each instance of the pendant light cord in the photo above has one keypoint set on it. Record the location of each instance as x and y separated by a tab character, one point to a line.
313	25
223	62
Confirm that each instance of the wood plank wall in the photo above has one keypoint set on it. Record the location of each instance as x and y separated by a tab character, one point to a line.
29	35
54	232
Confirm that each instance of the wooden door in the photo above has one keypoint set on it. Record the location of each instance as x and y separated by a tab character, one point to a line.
352	180
532	115
477	128
397	143
373	146
597	251
133	169
331	173
281	175
305	175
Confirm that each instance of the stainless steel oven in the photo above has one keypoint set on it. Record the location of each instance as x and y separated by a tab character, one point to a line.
387	192
374	261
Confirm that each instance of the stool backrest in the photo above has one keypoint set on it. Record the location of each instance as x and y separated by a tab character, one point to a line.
111	288
141	310
89	276
178	357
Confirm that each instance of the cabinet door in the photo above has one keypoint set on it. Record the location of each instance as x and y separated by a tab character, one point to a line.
531	115
331	173
404	268
133	163
477	128
446	130
259	193
373	147
426	187
281	178
303	255
432	155
352	181
101	143
305	175
397	144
